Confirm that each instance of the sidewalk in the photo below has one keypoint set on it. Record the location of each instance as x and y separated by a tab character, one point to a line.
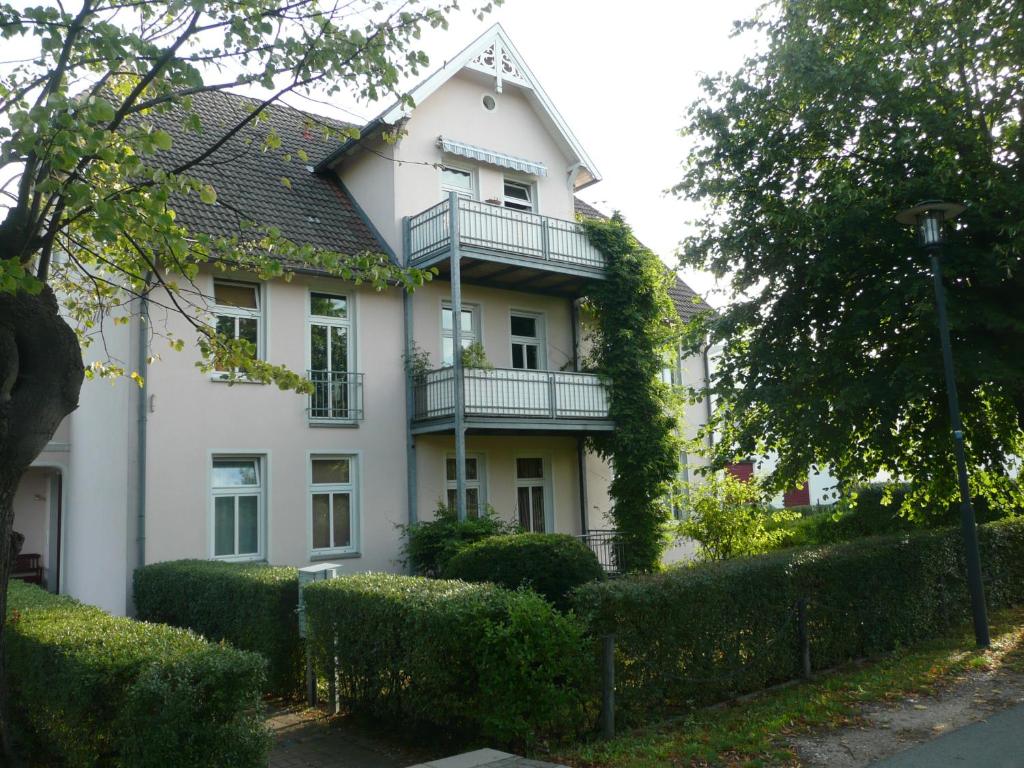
997	742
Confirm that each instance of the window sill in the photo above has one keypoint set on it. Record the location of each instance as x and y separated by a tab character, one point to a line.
334	423
322	554
240	558
216	377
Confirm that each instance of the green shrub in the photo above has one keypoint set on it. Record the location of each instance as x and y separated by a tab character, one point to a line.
89	689
429	545
702	633
251	606
550	564
472	658
729	517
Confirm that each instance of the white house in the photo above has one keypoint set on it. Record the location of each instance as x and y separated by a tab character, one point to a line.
481	186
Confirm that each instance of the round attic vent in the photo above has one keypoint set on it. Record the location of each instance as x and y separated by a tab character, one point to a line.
489	102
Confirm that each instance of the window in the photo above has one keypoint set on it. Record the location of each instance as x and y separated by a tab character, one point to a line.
527	332
458	180
671	371
470	331
237	491
329	358
332	504
237	313
681	491
475	500
531	494
518	195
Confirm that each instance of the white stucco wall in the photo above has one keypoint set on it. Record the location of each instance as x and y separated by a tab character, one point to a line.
99	489
455	111
193	418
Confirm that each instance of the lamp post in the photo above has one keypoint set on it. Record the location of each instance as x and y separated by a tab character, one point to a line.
928	217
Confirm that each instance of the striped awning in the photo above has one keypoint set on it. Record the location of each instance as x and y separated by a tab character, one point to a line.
491	157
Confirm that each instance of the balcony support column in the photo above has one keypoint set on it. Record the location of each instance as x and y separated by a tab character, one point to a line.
407	308
457	379
581	459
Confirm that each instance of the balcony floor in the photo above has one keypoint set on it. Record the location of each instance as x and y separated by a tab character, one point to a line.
500	270
483	425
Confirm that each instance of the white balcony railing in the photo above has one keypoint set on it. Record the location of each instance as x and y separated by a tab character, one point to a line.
512	393
487	227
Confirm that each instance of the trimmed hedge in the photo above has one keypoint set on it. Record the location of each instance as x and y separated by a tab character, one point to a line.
552	564
702	633
430	544
91	689
251	606
474	658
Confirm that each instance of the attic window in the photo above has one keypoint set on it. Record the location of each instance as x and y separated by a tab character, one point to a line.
489	102
518	195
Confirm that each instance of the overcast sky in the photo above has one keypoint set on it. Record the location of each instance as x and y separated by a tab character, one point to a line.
622	75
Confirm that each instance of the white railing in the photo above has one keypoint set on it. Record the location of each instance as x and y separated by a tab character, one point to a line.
487	227
513	393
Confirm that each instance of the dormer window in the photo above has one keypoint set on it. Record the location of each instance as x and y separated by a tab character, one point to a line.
518	195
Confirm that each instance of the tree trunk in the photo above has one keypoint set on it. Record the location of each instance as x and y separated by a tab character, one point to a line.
41	375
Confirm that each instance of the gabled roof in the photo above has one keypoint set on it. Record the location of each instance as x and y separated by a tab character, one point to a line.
492	54
314	210
688	302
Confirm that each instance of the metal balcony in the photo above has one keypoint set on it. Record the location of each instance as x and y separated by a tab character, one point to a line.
337	397
512	399
504	247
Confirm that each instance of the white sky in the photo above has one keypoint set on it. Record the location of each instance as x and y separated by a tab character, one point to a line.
622	75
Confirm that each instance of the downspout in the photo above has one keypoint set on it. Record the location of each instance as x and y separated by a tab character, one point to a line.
705	358
581	453
141	426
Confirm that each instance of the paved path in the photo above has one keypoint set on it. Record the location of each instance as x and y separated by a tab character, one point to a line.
997	742
305	738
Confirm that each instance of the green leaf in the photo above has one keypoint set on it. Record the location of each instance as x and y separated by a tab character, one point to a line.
208	194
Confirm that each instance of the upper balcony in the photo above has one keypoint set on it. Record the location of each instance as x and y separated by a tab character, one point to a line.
503	247
497	399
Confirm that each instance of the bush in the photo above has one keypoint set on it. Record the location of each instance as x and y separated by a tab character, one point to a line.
471	658
252	606
702	633
431	544
728	517
551	564
90	689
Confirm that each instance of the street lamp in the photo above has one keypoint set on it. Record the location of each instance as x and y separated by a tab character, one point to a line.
928	217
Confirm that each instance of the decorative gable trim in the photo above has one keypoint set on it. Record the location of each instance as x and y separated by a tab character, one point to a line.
494	54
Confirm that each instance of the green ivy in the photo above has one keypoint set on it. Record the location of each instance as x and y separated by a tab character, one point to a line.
636	328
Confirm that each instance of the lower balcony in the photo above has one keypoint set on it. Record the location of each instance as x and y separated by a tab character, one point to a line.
337	398
503	399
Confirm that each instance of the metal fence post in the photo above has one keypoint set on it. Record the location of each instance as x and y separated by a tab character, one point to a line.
803	637
608	686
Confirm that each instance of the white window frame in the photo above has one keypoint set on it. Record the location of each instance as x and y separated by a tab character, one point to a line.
531	193
476	335
446	188
540	340
545	483
480	484
261	492
351	487
221	310
348	322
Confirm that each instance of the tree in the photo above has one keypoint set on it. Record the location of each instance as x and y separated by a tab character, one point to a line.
93	181
636	329
851	112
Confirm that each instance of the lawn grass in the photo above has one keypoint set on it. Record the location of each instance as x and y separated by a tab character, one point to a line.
752	732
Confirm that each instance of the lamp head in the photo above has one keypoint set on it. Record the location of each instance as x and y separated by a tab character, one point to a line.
928	217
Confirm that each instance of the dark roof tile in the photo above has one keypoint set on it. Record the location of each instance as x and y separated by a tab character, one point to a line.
313	210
